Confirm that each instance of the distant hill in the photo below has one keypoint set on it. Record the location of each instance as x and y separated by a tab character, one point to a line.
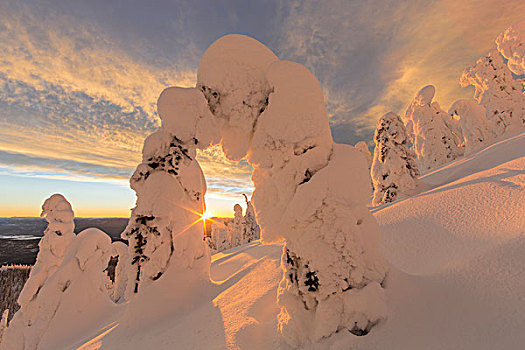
19	237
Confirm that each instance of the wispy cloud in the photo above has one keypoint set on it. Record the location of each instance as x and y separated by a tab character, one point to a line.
373	56
77	99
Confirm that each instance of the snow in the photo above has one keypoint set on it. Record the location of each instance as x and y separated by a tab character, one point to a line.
273	112
511	45
439	269
476	130
456	279
394	170
72	301
170	186
431	131
363	148
31	321
3	323
498	92
232	77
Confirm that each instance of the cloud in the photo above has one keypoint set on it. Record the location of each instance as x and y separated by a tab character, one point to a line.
80	85
39	46
372	57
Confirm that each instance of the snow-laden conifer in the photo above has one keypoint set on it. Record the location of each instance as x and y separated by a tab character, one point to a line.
434	142
252	229
497	91
308	190
394	169
170	189
477	131
71	300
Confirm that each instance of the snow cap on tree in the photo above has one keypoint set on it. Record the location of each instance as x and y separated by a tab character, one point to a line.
511	45
252	229
79	275
232	77
237	227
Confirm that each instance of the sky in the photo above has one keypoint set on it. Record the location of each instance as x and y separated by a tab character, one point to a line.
79	80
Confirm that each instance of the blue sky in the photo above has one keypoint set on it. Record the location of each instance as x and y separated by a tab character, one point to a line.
79	79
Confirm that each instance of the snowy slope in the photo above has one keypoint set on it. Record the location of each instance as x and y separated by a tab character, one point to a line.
457	251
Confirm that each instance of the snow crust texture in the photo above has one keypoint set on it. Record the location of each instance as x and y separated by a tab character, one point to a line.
394	169
273	112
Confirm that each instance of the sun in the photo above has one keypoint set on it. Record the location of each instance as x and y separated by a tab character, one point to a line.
206	216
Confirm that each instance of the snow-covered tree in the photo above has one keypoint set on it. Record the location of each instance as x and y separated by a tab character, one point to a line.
237	227
308	190
78	285
252	229
52	247
434	142
498	92
116	271
476	129
394	169
170	189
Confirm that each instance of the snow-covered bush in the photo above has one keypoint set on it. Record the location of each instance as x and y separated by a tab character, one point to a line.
394	169
511	44
70	300
498	92
170	189
477	131
308	190
426	123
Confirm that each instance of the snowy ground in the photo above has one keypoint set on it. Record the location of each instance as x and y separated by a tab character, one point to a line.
457	251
